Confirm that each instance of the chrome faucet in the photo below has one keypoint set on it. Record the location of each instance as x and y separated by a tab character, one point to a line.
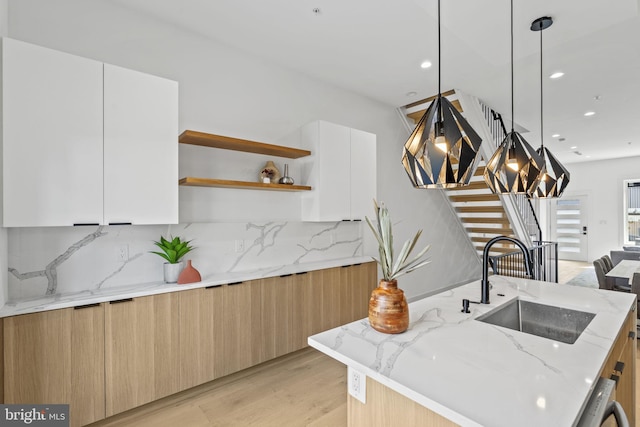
484	299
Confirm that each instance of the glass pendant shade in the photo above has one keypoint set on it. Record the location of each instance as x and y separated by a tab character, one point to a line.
514	167
442	151
555	176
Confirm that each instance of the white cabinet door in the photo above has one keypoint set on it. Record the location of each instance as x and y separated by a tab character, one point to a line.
327	172
341	171
363	174
52	137
140	148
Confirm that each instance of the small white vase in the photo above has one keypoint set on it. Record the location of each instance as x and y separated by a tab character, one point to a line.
172	271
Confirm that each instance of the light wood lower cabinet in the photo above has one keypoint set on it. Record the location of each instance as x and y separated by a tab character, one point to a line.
107	358
141	351
621	366
201	335
57	357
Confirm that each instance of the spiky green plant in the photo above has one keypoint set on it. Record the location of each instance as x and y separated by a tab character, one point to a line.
172	250
391	269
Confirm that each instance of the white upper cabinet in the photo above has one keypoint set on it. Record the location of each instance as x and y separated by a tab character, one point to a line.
140	148
52	137
85	142
341	171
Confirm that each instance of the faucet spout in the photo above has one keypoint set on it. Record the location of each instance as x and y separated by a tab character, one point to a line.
484	297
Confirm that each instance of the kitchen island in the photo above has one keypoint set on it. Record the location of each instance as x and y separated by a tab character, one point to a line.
451	369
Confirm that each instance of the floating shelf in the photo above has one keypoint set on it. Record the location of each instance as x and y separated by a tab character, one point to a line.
246	185
227	143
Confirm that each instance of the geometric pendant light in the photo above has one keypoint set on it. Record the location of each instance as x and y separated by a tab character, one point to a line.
443	150
555	177
515	166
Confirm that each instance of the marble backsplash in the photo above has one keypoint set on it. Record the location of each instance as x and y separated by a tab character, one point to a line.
59	260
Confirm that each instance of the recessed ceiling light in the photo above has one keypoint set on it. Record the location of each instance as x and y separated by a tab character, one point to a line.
574	147
425	64
412	93
589	113
555	135
588	157
556	75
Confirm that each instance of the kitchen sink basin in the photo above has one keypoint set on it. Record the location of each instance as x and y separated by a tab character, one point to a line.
547	321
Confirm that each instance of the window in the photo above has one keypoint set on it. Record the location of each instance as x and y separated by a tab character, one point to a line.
632	212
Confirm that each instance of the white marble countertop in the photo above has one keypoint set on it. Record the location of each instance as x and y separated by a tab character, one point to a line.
53	302
477	374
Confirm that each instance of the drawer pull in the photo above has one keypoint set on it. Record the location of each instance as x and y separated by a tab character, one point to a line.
120	223
234	283
85	224
286	275
80	307
616	378
619	366
212	286
121	301
302	272
632	334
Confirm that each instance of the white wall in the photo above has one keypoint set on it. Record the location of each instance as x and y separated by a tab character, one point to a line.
4	31
602	182
225	91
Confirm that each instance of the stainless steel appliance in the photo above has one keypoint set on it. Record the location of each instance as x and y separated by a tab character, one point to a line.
602	408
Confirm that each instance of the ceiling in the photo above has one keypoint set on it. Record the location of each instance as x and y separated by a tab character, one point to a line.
375	48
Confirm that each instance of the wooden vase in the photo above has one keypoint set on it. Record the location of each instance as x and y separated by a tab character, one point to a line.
388	309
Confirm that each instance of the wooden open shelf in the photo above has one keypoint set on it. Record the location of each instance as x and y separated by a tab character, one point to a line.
227	143
246	185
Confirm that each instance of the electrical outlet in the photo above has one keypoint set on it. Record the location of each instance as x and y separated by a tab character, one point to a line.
239	245
357	384
123	253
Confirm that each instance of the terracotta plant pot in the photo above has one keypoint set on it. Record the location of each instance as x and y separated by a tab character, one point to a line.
189	275
388	309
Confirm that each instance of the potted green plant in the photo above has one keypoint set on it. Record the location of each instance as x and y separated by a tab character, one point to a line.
388	309
172	250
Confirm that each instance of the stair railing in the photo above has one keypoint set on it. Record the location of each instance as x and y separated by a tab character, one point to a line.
544	257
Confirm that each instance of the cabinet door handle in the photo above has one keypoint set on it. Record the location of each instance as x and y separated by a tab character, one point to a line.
356	220
80	307
632	334
619	366
120	223
286	275
85	224
119	301
616	378
234	283
212	286
302	272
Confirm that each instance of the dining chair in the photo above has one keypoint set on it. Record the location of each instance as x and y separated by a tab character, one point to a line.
604	282
608	264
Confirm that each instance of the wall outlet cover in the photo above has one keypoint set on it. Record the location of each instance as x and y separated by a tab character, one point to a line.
357	384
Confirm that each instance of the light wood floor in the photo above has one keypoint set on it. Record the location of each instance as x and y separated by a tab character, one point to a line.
305	388
567	270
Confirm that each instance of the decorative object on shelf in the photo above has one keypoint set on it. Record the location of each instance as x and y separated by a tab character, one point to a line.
172	250
286	179
388	309
515	166
189	275
554	177
443	150
270	171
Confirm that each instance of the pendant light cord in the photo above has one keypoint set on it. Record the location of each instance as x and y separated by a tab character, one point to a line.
511	66
439	50
541	94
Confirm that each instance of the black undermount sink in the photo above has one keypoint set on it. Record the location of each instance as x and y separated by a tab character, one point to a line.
547	321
